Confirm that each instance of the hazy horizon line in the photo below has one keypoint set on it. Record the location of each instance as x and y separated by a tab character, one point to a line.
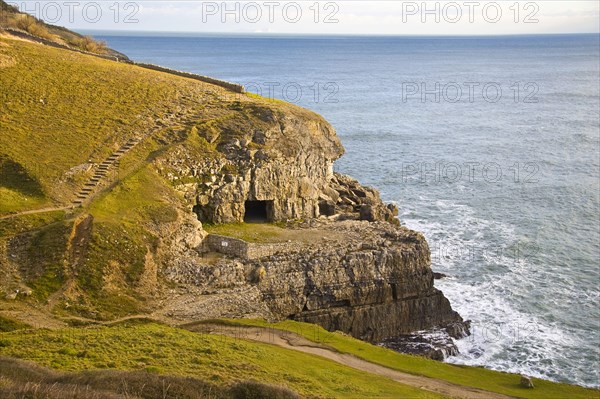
123	32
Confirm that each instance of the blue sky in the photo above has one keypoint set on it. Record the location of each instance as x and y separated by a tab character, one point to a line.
324	17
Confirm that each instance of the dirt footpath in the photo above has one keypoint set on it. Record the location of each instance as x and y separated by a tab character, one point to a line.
296	342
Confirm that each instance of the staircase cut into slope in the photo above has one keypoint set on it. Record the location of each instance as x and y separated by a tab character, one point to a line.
102	171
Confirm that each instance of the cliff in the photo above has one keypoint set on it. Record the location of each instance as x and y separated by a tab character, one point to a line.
370	280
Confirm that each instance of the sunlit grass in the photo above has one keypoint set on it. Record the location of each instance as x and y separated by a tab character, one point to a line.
476	377
214	358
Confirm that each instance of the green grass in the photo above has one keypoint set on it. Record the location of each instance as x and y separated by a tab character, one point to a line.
59	109
250	232
259	97
12	201
217	359
17	189
109	276
141	197
21	379
476	377
23	223
8	324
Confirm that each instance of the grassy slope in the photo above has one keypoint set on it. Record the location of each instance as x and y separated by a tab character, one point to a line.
469	376
8	324
221	360
21	379
55	116
88	108
10	17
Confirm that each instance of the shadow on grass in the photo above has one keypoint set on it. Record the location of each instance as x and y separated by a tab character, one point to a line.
14	177
19	379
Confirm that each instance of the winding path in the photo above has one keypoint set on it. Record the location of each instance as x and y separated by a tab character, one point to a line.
35	211
296	342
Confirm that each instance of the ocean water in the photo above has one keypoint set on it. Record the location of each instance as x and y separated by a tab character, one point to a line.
489	145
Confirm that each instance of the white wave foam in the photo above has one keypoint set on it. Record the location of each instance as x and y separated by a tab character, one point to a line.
494	289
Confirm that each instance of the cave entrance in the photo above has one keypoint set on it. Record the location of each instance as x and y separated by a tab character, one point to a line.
258	212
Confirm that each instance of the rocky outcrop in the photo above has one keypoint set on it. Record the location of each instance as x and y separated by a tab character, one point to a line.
370	280
356	271
374	283
275	164
435	343
345	198
276	161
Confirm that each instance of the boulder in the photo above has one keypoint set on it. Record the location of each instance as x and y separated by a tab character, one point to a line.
526	382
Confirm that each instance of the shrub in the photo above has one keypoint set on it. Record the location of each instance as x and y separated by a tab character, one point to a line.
87	43
31	25
256	390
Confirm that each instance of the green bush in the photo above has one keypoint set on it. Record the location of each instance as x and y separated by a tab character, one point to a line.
256	390
87	43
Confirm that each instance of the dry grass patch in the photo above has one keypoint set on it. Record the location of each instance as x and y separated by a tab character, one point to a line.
6	61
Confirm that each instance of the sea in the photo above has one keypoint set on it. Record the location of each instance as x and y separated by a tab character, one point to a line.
489	145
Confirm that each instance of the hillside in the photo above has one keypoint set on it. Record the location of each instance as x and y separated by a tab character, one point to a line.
54	138
127	193
12	18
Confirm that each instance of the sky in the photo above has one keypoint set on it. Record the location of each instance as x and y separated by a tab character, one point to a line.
500	17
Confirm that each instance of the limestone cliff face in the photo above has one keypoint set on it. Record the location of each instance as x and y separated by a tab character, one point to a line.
280	159
373	284
370	280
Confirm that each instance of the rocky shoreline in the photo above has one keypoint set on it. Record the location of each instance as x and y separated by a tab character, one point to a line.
435	343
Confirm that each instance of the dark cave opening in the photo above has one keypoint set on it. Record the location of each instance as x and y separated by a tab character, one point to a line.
258	212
